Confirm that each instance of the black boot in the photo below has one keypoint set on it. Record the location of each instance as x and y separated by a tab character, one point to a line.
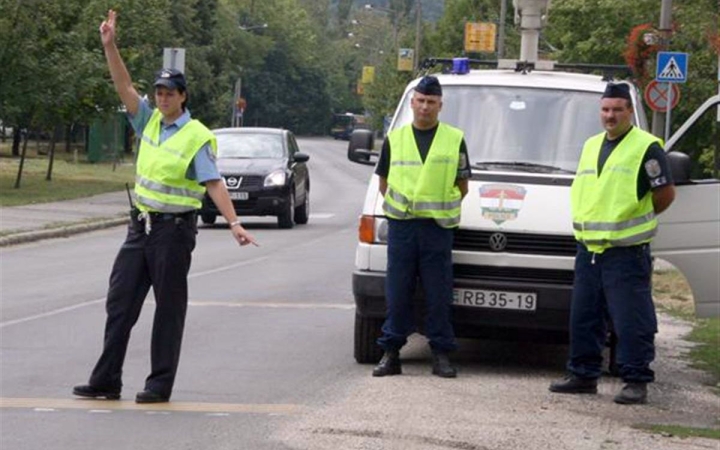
574	385
632	394
89	391
442	367
389	364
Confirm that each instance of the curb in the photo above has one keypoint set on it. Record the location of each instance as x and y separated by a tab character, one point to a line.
60	231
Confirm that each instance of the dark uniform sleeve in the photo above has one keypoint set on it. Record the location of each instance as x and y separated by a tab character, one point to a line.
464	164
382	169
655	171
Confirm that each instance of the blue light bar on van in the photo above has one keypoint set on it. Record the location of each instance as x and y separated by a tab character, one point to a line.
461	66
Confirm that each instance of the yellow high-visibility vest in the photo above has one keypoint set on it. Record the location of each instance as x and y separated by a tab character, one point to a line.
424	190
160	182
605	209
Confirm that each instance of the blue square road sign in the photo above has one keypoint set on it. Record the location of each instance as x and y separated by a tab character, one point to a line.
671	67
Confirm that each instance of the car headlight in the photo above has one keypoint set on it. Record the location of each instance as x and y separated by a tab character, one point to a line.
276	178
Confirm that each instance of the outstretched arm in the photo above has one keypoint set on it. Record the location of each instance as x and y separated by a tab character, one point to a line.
120	76
218	193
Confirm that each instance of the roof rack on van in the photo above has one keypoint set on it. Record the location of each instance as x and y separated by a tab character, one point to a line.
450	65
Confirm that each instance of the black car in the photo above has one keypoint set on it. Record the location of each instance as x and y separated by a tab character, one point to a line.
265	174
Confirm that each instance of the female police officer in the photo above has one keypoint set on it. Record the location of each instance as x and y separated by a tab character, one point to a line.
175	166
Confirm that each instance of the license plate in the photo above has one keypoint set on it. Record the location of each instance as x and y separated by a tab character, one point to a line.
238	195
481	298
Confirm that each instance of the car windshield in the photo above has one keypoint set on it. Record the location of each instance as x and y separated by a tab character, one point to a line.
524	129
249	145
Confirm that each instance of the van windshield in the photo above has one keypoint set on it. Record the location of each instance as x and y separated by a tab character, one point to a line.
520	128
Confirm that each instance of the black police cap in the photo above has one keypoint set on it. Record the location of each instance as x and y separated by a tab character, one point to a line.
171	79
429	85
619	90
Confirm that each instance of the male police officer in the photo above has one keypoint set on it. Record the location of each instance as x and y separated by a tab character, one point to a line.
175	165
424	171
622	184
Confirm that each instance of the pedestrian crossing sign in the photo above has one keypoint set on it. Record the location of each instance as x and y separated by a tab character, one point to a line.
671	67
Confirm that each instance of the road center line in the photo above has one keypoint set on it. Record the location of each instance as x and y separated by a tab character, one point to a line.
127	405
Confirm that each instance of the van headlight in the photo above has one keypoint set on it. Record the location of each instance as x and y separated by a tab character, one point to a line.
373	230
276	178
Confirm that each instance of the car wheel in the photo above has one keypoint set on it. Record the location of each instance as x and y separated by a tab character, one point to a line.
302	212
367	332
208	219
285	218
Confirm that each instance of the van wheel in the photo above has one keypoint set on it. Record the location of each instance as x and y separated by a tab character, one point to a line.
285	218
208	219
367	332
302	212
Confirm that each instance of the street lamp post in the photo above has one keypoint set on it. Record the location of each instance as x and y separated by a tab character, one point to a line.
418	32
395	17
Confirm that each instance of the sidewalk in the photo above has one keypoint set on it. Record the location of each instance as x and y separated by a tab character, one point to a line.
19	224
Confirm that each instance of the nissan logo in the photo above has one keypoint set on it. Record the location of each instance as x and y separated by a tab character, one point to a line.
233	182
498	242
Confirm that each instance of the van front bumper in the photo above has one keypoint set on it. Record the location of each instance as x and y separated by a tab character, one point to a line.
548	323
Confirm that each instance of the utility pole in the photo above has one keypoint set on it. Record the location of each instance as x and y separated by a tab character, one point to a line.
501	30
418	32
658	119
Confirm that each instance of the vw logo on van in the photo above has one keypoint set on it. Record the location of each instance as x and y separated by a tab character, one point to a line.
498	242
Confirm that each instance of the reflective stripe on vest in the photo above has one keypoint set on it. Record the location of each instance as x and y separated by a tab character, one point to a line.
424	190
606	210
160	180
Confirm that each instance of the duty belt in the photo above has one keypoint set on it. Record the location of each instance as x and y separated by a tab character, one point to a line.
148	217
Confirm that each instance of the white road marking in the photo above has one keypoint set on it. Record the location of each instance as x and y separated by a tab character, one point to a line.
65	309
322	215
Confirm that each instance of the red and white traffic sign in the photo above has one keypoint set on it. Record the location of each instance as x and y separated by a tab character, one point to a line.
656	96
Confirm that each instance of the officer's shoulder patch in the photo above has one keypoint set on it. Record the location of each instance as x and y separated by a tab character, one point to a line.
653	169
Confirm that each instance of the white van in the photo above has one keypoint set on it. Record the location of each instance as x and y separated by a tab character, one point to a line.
513	253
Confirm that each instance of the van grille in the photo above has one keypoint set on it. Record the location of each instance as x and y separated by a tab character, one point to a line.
513	274
532	244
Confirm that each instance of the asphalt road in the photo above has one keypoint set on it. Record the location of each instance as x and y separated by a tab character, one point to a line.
267	355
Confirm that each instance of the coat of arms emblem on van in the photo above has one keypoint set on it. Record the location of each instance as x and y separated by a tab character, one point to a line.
501	202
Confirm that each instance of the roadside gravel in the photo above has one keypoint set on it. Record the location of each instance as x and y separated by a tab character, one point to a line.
500	401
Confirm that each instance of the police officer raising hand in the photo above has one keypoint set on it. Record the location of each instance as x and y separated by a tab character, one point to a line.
175	167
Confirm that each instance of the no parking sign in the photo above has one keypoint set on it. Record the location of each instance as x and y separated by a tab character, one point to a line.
657	96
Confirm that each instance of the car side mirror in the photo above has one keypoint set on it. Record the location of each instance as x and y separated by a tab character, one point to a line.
301	157
680	166
361	146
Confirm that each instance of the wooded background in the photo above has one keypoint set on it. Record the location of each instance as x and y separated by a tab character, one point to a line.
306	64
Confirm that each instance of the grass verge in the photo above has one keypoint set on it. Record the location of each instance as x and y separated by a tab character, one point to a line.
672	294
69	180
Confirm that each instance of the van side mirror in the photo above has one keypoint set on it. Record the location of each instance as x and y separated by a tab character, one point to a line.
361	146
680	167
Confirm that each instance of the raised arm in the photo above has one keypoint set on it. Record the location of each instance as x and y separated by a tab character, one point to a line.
120	76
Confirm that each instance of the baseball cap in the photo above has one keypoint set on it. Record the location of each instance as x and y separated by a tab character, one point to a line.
171	79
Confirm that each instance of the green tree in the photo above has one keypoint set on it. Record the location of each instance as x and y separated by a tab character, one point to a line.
596	31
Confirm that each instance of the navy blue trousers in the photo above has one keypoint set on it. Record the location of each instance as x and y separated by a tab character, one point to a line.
418	248
616	285
160	260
